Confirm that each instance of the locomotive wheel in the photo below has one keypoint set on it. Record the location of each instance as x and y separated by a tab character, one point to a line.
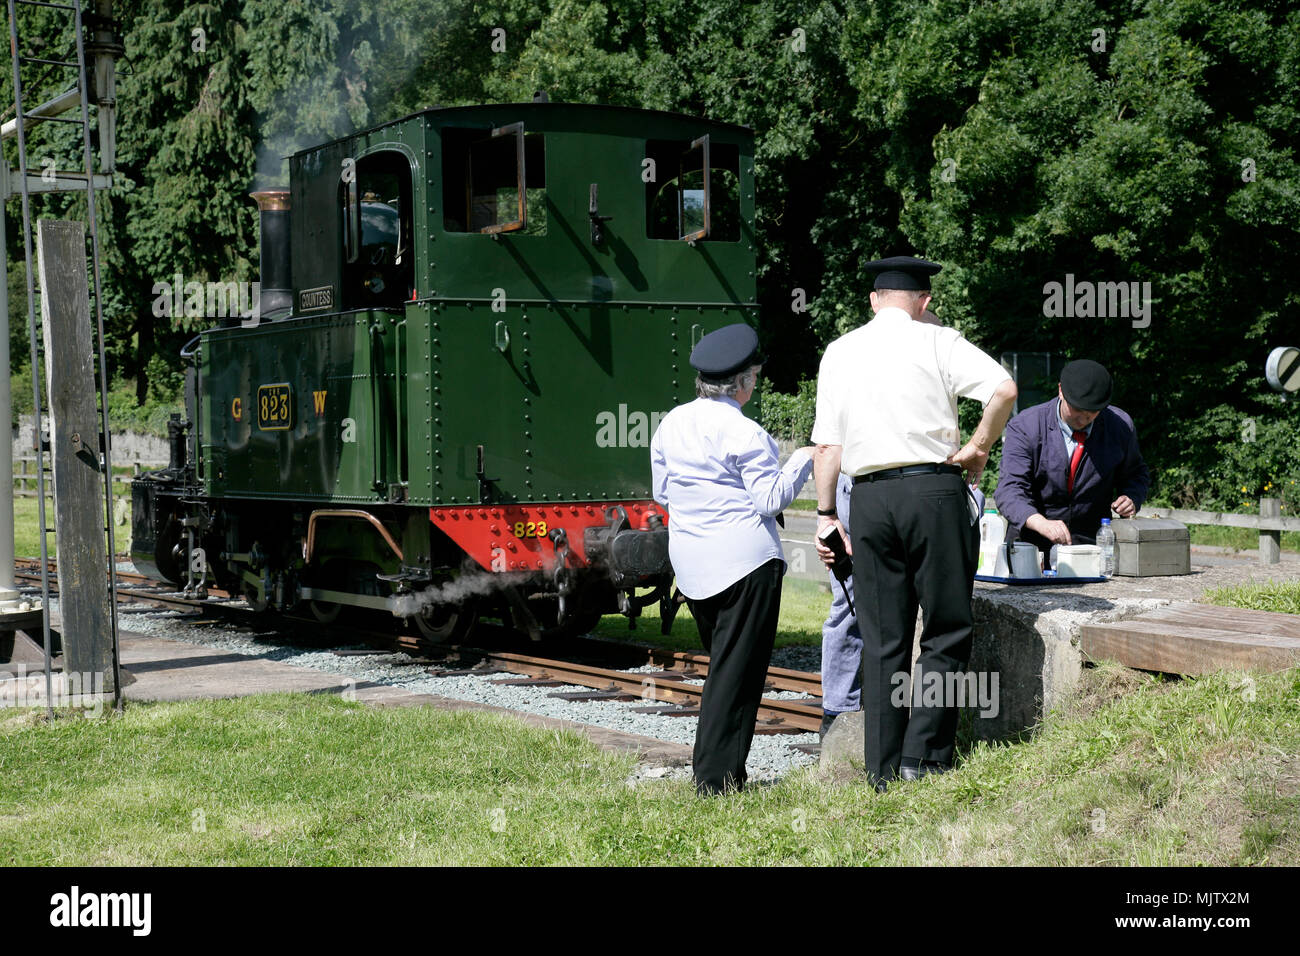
584	622
324	611
578	622
440	623
169	553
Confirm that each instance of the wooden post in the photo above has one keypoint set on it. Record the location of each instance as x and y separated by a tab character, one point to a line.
74	445
1270	542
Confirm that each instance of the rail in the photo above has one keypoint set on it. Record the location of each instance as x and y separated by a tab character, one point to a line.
672	685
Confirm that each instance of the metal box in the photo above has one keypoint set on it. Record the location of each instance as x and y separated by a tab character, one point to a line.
1148	547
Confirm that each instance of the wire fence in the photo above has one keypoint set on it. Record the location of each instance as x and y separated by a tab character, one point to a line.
24	475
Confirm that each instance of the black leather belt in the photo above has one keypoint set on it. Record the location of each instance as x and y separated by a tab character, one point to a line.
909	470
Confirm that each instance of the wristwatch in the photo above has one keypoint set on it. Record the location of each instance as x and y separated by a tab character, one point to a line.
827	512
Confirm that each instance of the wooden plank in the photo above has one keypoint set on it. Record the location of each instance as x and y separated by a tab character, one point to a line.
74	439
1270	542
1178	649
1223	520
1213	617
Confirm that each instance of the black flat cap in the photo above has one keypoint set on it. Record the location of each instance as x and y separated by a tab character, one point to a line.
726	352
1086	385
903	272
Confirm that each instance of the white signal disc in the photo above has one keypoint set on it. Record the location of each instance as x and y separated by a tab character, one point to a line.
1283	369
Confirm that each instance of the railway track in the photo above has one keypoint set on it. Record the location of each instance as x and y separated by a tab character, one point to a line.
601	665
675	697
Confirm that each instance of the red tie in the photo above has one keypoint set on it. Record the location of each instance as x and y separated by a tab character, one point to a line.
1078	437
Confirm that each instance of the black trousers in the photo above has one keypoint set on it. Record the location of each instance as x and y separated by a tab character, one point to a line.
913	542
737	627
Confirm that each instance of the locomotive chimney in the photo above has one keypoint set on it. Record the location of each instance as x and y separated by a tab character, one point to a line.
275	269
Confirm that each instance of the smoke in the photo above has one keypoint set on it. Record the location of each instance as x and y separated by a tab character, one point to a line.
351	66
478	584
313	91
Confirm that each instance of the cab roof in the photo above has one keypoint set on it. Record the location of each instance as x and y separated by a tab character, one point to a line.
457	112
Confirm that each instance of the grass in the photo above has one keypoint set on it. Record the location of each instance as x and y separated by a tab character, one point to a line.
1239	539
1280	596
27	535
1141	771
804	606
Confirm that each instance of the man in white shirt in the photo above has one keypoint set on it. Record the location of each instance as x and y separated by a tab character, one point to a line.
841	640
887	416
718	474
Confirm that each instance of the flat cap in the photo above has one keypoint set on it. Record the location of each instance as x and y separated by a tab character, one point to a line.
903	272
1086	385
726	352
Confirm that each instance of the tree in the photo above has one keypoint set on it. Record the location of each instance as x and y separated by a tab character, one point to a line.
1107	143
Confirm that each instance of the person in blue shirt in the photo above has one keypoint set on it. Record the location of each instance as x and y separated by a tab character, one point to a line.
718	474
841	639
1069	462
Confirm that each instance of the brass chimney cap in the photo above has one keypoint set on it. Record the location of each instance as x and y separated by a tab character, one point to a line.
274	199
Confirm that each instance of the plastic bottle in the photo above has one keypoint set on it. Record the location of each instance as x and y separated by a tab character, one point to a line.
1106	541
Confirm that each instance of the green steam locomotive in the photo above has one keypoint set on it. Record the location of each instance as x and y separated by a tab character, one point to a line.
470	322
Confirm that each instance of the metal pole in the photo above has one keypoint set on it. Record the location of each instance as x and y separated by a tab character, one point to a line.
105	49
93	223
36	361
8	593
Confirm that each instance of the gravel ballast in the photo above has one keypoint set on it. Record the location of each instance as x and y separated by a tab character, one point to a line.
769	757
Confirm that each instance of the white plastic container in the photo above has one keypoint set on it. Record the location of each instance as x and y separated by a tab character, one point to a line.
993	557
1078	561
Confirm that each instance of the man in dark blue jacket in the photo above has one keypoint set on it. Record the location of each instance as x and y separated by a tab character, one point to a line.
1068	462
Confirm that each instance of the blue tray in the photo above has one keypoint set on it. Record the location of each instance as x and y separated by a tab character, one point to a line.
1037	582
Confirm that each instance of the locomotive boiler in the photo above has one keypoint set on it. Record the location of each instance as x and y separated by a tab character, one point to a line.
471	322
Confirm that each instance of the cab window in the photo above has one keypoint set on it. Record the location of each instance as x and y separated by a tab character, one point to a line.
696	192
494	181
378	256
